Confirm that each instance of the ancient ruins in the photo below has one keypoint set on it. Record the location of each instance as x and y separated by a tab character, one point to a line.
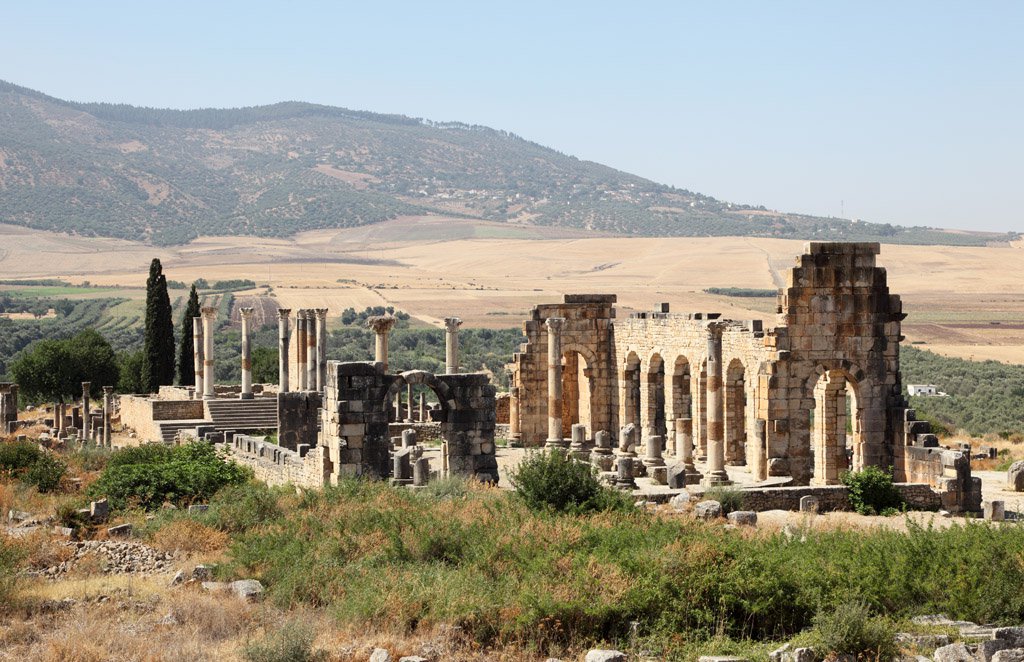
674	399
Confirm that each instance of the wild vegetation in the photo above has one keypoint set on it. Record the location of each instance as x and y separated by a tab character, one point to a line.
167	176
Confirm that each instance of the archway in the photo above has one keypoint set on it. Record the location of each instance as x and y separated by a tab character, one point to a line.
681	401
735	414
631	390
700	415
835	427
654	422
578	395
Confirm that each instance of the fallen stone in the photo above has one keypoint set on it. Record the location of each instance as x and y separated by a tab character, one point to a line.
710	509
680	501
120	531
1015	477
994	511
605	655
721	658
169	619
202	573
953	653
14	516
214	587
922	641
413	658
179	578
1013	636
99	510
250	590
1009	655
380	655
743	517
987	649
197	508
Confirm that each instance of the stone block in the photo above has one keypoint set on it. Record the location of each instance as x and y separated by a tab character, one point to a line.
743	517
606	655
1014	636
994	511
1015	477
659	475
1009	655
249	590
708	510
809	504
957	652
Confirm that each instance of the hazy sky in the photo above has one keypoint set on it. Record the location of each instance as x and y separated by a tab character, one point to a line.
909	112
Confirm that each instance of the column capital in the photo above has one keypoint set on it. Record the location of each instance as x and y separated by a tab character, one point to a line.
715	328
284	313
246	313
381	324
209	312
554	324
107	390
321	314
452	324
86	386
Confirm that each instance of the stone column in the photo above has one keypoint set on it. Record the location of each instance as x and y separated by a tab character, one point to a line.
246	394
554	327
61	413
108	411
85	411
716	414
408	403
381	326
321	349
300	349
451	344
654	457
209	314
423	408
513	414
312	361
197	357
284	336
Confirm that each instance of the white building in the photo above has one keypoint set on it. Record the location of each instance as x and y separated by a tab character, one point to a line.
922	389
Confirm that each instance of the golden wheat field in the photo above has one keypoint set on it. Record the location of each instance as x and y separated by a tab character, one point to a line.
962	301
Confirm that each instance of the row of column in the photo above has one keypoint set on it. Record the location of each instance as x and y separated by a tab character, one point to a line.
716	474
102	434
381	326
310	349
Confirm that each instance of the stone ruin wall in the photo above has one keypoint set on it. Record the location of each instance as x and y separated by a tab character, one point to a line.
838	333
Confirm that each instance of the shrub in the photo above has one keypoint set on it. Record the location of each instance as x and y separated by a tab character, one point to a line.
850	628
731	498
188	535
238	508
179	475
31	465
292	643
872	491
554	480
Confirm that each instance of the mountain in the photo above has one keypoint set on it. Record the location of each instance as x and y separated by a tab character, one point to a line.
168	176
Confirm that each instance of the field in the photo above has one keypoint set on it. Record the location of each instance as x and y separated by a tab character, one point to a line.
961	301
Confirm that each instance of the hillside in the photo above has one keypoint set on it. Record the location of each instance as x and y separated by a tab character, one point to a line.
168	176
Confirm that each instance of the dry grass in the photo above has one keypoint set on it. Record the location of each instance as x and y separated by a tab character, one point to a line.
189	536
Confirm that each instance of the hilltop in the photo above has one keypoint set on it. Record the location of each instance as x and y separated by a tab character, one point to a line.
169	176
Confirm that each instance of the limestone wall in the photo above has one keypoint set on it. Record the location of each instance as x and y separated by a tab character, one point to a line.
298	416
275	465
143	414
918	496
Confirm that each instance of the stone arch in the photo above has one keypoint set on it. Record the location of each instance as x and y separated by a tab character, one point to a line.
654	415
736	409
424	378
630	397
680	400
836	417
579	388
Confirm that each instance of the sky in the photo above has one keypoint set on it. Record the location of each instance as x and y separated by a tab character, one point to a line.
907	112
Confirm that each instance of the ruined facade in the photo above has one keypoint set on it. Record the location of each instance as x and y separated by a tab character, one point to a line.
773	399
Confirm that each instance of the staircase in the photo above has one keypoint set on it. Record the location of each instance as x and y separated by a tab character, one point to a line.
169	429
242	415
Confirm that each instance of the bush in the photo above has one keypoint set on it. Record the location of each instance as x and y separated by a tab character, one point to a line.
850	628
731	498
292	643
554	480
872	492
150	475
31	465
238	508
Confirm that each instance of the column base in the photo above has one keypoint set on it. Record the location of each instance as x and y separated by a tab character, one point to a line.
651	462
551	444
209	397
245	396
716	478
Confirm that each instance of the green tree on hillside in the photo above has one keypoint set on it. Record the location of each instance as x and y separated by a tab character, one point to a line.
186	357
55	369
158	347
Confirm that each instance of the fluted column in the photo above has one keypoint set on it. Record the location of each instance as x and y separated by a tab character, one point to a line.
197	357
246	314
284	336
209	315
554	327
513	414
321	349
85	411
300	349
381	326
311	358
716	474
108	411
451	344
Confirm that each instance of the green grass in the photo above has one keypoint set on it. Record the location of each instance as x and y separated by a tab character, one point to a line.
507	575
70	291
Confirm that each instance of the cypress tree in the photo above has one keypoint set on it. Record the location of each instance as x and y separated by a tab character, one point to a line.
186	357
158	348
